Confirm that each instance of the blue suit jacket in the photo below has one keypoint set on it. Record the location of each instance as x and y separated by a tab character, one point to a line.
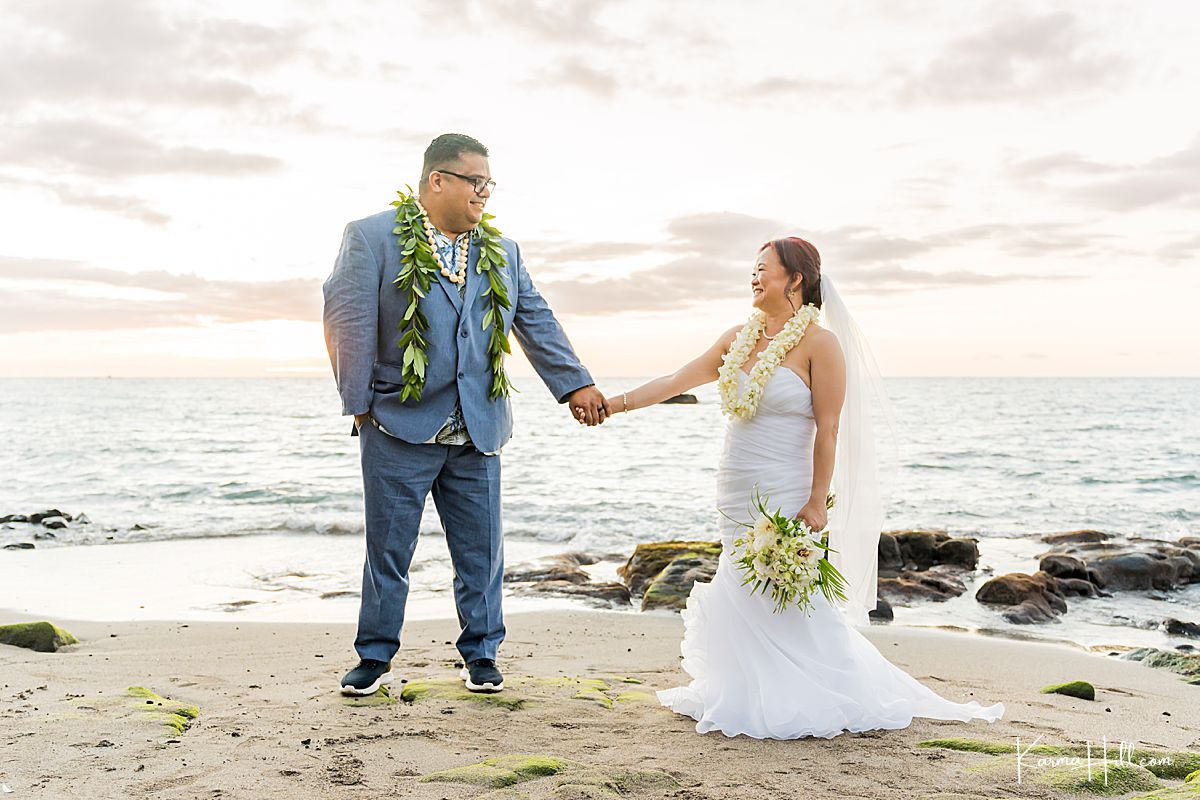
363	309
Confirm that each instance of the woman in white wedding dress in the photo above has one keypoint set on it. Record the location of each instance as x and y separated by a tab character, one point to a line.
787	382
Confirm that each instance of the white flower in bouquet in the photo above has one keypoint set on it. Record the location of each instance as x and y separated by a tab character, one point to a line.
786	556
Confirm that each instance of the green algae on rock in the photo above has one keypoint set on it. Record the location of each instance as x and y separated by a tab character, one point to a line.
1081	689
570	778
42	637
178	717
1184	792
382	697
502	771
1186	664
1169	764
1070	774
453	689
650	559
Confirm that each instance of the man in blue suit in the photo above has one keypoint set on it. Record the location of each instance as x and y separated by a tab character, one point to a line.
447	442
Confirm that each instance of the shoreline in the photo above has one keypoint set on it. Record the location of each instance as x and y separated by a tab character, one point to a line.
303	577
271	723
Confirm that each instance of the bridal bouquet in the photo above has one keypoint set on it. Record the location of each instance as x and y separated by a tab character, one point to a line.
786	556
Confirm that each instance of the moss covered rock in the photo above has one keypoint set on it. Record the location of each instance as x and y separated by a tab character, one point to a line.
672	587
648	560
637	698
453	689
44	637
1193	777
1184	792
175	716
1081	689
1169	764
1187	665
382	697
502	771
1070	774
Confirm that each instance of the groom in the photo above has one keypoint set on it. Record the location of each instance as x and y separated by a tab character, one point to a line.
448	441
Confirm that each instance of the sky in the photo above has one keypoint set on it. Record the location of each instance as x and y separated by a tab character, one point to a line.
997	188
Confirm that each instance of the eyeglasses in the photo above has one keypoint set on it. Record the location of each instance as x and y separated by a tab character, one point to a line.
479	183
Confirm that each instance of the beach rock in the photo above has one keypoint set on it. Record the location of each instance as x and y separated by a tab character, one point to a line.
681	399
1074	587
1119	779
1141	571
1169	764
502	771
882	613
1186	664
1081	689
39	535
42	637
648	560
1076	537
958	552
1127	564
20	546
1061	565
14	518
938	583
901	551
54	523
1176	627
671	587
561	567
82	519
1029	598
891	561
53	512
601	594
176	717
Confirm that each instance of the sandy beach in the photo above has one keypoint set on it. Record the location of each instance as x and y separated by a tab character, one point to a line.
266	719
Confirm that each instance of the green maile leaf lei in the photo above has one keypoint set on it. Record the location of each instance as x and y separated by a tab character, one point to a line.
419	270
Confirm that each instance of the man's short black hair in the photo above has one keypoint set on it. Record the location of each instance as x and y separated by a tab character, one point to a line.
448	148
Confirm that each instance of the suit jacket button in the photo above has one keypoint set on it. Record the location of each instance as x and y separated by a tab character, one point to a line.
464	333
462	375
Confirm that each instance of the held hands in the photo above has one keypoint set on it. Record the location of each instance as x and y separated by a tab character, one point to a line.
815	515
589	406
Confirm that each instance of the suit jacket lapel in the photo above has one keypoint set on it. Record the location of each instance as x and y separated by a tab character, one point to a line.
451	291
475	282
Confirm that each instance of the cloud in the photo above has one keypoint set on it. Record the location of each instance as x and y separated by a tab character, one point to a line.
82	197
1025	58
1180	251
709	257
1173	179
82	51
90	298
574	73
103	150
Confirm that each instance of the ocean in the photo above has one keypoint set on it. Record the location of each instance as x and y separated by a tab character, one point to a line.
214	461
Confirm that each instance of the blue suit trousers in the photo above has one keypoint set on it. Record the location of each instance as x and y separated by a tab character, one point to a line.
397	477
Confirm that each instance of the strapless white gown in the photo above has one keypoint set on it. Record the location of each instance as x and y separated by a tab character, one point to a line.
786	675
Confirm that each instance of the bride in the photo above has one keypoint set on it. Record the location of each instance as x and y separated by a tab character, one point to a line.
786	383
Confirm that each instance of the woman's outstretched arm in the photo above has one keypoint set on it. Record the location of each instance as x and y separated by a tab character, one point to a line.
696	372
827	372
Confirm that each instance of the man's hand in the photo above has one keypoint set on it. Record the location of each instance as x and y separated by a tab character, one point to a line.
588	406
361	419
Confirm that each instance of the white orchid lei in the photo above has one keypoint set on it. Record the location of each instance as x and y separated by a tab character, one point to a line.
734	403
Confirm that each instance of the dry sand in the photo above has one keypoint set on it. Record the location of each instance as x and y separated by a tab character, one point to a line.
271	723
